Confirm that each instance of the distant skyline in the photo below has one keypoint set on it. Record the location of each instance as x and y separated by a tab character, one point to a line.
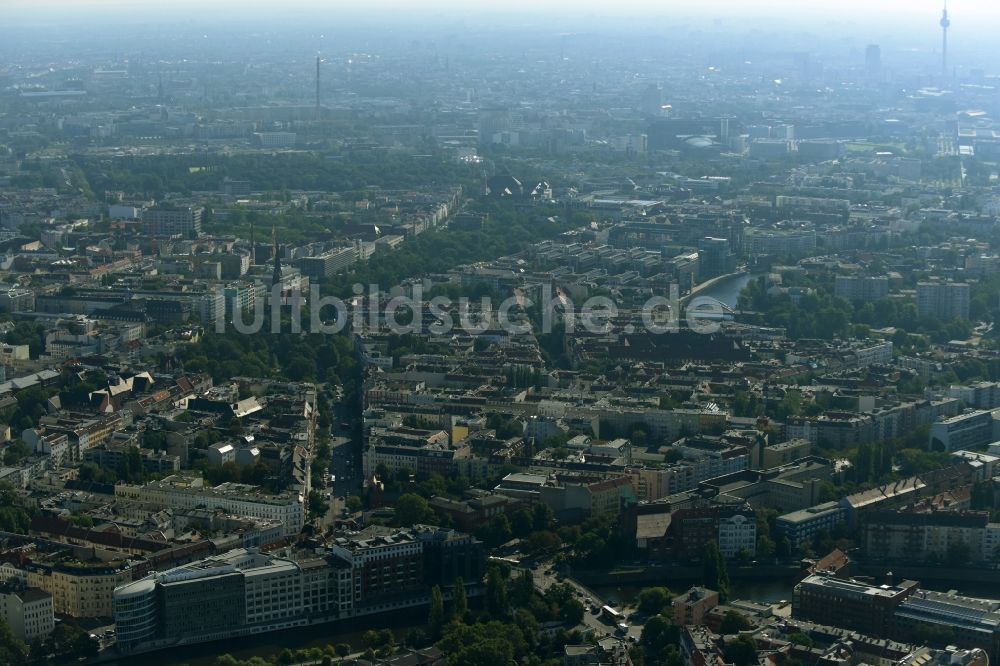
822	27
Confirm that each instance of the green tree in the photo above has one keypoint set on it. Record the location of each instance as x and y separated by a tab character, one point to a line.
435	615
653	600
765	547
572	612
958	553
521	523
496	532
524	589
411	509
370	639
491	643
733	623
715	574
741	651
658	633
541	517
12	650
317	504
461	602
671	656
496	594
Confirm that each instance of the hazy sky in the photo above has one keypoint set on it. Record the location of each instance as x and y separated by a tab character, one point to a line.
968	8
805	24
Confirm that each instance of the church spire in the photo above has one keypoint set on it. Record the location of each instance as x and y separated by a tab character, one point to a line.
276	277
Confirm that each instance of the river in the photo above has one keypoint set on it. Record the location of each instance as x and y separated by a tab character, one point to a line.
774	590
269	644
755	590
728	290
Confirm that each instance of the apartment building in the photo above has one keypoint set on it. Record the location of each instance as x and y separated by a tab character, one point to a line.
691	607
861	288
680	534
981	395
930	536
943	300
28	612
180	492
78	589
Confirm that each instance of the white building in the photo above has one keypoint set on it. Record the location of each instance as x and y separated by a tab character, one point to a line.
973	429
879	354
178	492
221	453
211	306
28	612
737	533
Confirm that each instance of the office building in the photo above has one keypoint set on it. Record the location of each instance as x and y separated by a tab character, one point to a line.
328	263
715	257
804	525
173	220
275	139
873	60
971	623
850	604
769	149
973	429
779	243
244	591
239	592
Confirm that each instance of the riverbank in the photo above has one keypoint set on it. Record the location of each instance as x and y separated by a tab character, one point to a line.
725	289
772	583
971	581
715	283
269	644
667	574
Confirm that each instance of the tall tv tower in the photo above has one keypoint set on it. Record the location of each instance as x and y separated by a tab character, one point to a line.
945	24
318	61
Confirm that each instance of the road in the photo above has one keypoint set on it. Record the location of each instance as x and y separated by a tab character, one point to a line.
345	471
591	621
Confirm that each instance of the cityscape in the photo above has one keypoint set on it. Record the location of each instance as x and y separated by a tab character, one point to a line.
439	334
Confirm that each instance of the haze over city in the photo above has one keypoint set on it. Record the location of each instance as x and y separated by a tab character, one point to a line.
465	334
